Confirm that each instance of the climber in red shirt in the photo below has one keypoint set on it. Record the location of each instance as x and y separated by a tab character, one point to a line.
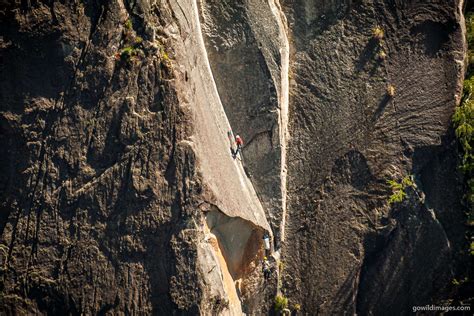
239	142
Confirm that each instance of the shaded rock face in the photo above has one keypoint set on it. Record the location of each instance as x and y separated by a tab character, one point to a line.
118	193
97	187
346	248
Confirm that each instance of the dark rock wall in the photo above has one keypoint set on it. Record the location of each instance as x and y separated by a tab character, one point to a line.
99	186
347	250
96	186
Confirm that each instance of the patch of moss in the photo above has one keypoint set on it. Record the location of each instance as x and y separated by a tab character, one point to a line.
297	307
457	282
132	50
128	24
165	56
127	53
281	303
166	59
469	17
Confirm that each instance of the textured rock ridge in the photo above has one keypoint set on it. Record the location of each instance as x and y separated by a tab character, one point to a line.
223	176
237	219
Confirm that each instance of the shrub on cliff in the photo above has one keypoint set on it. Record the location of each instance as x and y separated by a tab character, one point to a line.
128	24
133	48
399	189
281	303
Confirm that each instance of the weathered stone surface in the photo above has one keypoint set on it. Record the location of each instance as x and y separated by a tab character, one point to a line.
118	192
99	185
108	161
248	52
347	250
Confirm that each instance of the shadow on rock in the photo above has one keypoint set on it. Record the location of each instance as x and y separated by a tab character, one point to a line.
381	108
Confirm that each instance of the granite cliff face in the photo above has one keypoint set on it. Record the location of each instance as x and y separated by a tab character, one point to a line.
347	249
119	193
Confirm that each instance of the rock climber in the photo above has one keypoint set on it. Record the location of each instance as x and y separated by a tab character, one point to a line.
239	142
266	268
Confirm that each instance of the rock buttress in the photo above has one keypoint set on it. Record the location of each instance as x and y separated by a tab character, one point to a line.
225	184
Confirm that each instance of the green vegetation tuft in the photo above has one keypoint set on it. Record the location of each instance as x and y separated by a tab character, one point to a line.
166	60
470	37
459	282
133	45
165	56
281	303
397	197
399	188
138	40
127	53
